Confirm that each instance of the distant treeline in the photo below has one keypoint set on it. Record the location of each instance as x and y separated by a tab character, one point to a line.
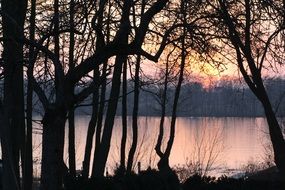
224	99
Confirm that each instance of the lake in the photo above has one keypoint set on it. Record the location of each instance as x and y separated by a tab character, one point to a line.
225	144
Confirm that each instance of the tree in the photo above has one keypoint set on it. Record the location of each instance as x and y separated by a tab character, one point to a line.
55	111
134	116
13	16
136	100
95	99
243	24
189	38
122	166
28	161
162	94
71	129
126	39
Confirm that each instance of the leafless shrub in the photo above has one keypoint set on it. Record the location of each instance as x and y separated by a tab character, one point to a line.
205	155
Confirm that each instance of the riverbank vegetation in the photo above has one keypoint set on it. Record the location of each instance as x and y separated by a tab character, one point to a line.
152	179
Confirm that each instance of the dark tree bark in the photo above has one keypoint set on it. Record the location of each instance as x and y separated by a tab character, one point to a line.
164	161
275	133
71	144
95	101
10	178
163	164
102	91
163	108
136	102
92	125
28	163
124	120
56	41
13	14
101	156
71	129
135	117
100	111
100	159
53	167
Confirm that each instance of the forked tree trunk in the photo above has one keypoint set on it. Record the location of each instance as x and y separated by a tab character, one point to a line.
100	111
91	126
101	156
163	164
158	145
53	168
95	101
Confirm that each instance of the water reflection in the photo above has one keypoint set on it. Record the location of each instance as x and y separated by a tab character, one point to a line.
214	142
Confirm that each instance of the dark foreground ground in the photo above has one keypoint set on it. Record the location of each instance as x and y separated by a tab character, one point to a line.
153	180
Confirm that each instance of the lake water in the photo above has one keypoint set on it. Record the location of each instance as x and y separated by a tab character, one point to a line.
224	143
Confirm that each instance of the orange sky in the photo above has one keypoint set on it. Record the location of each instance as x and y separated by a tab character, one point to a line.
209	75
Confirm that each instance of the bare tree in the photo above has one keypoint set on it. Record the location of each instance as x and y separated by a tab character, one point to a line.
57	106
251	42
186	39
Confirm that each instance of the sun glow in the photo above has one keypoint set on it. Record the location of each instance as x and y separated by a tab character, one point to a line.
209	71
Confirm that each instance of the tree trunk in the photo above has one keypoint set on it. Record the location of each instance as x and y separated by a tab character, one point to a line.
101	157
275	133
13	16
101	111
135	117
124	120
71	144
71	128
56	43
53	167
103	86
163	164
28	163
92	125
95	104
9	178
253	78
162	116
